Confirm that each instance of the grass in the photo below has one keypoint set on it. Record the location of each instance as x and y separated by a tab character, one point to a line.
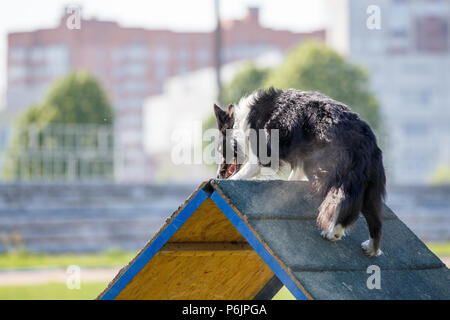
56	290
87	291
441	249
284	294
52	291
112	258
90	290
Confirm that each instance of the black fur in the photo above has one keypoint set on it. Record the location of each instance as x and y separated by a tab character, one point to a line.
225	122
339	152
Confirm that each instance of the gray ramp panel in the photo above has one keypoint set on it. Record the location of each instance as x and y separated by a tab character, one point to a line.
299	245
394	284
275	199
283	215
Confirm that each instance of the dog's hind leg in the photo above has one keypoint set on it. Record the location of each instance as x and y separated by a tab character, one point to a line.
335	234
372	211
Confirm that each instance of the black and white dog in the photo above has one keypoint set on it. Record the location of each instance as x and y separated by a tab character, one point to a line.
320	138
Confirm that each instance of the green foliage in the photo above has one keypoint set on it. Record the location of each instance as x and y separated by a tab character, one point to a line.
52	291
13	242
283	294
76	99
441	175
23	259
313	66
245	82
75	114
441	249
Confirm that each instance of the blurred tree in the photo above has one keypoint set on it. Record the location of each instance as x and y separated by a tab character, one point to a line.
313	66
78	98
244	82
441	175
75	114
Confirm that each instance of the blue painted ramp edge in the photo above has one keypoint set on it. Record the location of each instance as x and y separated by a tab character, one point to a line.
156	245
256	244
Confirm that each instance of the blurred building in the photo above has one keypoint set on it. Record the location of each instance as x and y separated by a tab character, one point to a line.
132	64
408	59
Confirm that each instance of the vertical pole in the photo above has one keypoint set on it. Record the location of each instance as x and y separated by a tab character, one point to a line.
217	51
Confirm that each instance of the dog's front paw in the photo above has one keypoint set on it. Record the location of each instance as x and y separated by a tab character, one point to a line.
368	249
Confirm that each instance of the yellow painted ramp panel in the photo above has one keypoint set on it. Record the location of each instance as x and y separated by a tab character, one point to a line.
206	258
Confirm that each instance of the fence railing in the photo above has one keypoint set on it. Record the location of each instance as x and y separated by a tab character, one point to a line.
59	152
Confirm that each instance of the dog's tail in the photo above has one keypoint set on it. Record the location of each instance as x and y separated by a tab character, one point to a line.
342	202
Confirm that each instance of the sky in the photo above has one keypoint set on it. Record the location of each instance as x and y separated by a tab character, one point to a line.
192	15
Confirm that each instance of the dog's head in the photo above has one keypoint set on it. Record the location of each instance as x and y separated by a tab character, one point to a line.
227	146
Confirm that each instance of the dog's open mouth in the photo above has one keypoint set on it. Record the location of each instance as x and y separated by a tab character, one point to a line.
232	169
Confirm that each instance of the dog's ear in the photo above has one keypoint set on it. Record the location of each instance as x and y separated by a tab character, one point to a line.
231	110
222	117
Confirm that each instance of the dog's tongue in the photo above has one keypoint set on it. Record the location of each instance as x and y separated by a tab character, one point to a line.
231	170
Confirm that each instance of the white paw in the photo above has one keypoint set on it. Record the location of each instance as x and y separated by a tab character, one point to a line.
367	246
329	236
336	234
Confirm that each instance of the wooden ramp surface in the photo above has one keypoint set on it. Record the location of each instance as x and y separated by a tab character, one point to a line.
244	239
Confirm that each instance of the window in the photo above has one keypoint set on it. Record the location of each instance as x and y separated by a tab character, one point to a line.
130	52
130	69
57	59
203	56
137	51
56	54
37	54
18	54
17	73
432	34
161	55
399	18
182	54
161	71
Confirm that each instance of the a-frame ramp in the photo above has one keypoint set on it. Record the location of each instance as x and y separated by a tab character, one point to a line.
245	239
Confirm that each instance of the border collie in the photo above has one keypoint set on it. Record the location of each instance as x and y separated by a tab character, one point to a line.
319	138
